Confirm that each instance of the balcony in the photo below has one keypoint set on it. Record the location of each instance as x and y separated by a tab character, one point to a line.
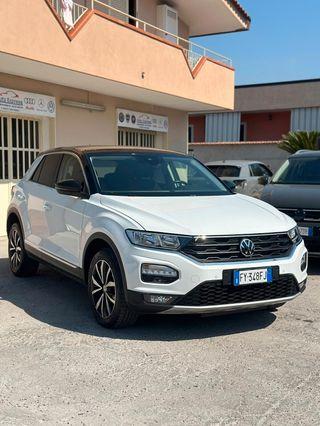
108	51
193	51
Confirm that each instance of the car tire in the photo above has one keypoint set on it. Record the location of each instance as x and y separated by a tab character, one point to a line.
21	264
106	292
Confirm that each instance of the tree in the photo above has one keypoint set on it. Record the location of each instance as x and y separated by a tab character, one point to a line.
294	141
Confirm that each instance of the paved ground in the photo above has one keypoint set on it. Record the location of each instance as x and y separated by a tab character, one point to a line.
57	366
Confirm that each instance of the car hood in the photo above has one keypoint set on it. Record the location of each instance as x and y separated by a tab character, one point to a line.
212	215
292	196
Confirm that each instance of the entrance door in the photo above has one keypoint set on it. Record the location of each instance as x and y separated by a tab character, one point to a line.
19	146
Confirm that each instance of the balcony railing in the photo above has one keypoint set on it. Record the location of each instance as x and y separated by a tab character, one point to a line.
77	11
194	52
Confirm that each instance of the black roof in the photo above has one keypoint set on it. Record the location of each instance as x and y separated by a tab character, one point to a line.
304	153
102	148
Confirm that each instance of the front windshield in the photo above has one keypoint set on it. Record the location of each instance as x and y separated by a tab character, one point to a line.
153	174
299	171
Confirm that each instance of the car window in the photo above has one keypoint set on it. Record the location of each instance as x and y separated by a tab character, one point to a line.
70	168
153	174
299	171
257	170
267	171
49	169
36	174
225	171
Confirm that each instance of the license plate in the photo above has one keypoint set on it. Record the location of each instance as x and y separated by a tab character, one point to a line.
305	231
252	276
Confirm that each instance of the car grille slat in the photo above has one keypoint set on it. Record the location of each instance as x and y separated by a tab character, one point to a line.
302	215
222	249
214	293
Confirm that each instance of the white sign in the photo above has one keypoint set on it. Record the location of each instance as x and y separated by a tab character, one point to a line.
15	101
142	121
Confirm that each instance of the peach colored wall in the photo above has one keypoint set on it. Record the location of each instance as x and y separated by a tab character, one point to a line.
266	126
106	49
75	126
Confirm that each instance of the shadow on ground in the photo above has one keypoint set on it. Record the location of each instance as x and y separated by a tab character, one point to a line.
61	302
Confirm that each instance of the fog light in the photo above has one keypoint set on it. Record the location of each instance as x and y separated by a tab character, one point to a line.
158	274
158	299
304	262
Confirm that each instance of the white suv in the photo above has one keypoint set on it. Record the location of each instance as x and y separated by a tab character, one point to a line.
152	231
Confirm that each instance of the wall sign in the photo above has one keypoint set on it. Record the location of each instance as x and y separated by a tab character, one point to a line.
142	121
15	101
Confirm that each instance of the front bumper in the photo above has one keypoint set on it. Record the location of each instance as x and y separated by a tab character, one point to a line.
192	273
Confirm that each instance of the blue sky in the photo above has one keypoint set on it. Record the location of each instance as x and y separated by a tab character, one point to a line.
283	43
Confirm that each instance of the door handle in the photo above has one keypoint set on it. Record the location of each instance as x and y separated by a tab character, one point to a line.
47	206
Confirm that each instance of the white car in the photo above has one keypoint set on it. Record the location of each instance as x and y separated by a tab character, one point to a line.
249	177
152	231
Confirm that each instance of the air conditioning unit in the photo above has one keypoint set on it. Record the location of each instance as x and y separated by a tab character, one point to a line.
168	20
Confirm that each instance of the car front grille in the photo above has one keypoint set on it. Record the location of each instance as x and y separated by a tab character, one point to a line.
214	293
227	249
303	215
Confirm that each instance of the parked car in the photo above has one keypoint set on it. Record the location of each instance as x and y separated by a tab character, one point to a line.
247	177
295	190
152	231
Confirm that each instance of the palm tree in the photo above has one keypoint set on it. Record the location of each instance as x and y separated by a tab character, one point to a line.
294	141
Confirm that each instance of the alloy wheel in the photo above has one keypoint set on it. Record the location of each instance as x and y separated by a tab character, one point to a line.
103	288
15	249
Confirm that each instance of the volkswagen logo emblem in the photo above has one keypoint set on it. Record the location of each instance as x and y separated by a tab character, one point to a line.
247	247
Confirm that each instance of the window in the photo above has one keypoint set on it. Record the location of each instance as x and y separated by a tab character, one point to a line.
49	169
299	171
71	169
136	138
243	132
19	146
191	133
153	174
36	174
259	170
225	171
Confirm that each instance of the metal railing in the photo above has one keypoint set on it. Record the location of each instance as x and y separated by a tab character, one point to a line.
77	11
194	51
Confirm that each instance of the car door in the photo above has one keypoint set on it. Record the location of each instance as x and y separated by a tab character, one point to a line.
66	213
38	193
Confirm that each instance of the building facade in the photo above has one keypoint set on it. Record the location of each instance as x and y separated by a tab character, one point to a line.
109	72
263	112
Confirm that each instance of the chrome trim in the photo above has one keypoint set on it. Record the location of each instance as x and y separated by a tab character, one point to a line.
34	247
174	310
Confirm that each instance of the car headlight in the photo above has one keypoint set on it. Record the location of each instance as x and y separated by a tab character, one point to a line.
294	235
154	240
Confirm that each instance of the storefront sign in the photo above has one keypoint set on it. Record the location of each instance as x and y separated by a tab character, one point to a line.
142	121
15	101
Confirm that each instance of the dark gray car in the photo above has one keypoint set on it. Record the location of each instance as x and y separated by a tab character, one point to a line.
295	190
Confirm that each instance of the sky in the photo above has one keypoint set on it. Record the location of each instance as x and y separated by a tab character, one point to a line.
283	43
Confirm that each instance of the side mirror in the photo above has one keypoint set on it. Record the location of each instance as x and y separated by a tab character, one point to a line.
69	187
263	180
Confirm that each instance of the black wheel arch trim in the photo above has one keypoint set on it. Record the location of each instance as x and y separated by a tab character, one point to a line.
15	211
112	245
